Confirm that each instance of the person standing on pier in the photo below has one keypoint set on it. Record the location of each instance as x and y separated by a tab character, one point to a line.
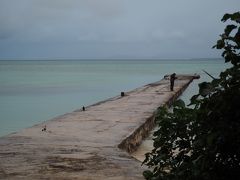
172	79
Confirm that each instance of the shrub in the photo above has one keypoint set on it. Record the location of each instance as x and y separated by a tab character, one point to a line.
202	141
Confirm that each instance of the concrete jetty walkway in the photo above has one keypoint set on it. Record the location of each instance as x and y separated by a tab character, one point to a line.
90	144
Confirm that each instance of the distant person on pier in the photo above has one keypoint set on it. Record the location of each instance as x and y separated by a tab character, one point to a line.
172	79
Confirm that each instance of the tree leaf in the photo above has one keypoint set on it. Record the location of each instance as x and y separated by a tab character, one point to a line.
229	29
220	44
205	88
226	17
236	17
147	174
179	103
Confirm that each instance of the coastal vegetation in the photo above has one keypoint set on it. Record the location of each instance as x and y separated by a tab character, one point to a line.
202	140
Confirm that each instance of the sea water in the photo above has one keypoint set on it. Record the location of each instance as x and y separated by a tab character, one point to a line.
34	91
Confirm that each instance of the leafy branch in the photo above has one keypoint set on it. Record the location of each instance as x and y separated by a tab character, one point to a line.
203	141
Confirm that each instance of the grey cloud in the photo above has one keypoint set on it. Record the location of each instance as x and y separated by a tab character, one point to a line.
111	28
72	19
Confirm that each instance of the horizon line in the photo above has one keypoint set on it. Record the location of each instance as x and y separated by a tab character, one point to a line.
79	59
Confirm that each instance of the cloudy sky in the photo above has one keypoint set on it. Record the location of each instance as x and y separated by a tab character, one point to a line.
46	29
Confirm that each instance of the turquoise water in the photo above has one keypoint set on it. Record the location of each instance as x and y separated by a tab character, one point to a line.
34	91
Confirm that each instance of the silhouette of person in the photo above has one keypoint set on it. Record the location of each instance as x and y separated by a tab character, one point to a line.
172	79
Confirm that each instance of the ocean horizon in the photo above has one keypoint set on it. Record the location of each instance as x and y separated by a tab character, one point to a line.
33	91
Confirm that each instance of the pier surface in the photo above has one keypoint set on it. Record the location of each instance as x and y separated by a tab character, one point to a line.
90	144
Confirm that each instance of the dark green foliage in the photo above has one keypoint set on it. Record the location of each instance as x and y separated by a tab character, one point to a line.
203	141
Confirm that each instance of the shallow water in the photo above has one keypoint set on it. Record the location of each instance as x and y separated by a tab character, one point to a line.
34	91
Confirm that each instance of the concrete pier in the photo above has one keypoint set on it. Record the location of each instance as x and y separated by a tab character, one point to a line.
90	144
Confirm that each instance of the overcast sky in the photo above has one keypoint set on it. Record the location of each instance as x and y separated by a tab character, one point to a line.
111	28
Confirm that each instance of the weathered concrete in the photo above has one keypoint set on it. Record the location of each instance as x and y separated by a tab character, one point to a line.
84	144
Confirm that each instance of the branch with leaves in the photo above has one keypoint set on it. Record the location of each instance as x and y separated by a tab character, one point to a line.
202	141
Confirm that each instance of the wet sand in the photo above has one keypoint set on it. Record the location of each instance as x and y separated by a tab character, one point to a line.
145	146
90	144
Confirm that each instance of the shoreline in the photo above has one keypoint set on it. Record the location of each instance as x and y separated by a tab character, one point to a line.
84	144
